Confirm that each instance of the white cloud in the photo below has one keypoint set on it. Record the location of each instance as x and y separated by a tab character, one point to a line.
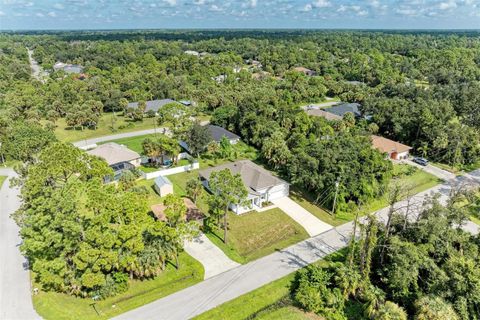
171	2
321	4
39	14
253	3
215	8
52	14
307	8
58	6
451	4
2	13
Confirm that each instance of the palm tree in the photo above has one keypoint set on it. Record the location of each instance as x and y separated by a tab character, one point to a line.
375	298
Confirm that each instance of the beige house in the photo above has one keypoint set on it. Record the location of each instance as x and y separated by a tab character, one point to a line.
163	186
394	150
117	156
262	186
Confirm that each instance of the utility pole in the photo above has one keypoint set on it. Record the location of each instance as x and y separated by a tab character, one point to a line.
337	184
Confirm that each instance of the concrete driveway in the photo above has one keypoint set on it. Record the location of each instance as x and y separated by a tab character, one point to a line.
439	173
213	259
15	293
308	221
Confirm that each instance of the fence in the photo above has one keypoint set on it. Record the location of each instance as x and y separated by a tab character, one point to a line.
166	172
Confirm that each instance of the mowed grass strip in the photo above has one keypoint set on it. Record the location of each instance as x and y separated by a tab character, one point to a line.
415	179
263	303
59	306
2	180
256	234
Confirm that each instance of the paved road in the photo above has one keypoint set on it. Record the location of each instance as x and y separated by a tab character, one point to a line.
308	221
15	293
37	71
88	142
213	259
212	292
436	171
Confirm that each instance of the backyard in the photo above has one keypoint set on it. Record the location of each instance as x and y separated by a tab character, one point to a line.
417	180
52	305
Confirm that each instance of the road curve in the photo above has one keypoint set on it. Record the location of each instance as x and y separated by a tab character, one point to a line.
15	292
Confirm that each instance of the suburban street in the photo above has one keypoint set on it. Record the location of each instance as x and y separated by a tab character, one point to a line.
212	292
15	292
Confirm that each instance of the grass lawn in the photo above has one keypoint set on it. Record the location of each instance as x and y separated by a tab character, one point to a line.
272	301
52	305
67	134
132	143
256	234
475	219
152	197
2	180
417	179
457	170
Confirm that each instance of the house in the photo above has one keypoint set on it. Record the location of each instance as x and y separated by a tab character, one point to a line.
193	213
324	114
342	109
192	53
254	64
216	134
117	156
394	150
262	186
152	105
163	186
305	71
220	78
68	68
187	103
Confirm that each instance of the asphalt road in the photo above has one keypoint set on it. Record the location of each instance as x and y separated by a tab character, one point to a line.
212	292
15	293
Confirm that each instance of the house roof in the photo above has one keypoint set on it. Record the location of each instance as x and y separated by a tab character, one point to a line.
388	146
218	132
161	181
193	213
323	113
344	108
254	177
68	68
302	69
153	105
114	153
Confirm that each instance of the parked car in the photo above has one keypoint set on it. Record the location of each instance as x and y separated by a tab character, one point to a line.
420	161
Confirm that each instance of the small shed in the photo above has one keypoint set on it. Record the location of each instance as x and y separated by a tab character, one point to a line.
163	186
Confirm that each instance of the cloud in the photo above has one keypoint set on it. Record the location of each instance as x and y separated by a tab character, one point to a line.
52	14
447	5
39	14
171	3
59	6
307	8
2	13
321	4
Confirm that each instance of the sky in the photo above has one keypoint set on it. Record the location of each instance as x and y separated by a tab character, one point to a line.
185	14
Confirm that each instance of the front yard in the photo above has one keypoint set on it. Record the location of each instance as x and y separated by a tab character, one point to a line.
52	305
256	234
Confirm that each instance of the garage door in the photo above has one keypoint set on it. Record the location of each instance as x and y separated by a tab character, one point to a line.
278	192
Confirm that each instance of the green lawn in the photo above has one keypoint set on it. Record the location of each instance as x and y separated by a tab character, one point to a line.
417	179
152	197
67	134
2	179
475	219
271	301
458	169
52	305
256	234
132	143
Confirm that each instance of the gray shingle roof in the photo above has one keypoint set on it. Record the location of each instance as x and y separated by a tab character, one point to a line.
254	177
114	153
342	109
218	132
153	105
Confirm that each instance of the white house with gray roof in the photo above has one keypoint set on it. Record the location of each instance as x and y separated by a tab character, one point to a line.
262	186
117	156
152	105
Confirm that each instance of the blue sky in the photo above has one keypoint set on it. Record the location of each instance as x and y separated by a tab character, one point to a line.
126	14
